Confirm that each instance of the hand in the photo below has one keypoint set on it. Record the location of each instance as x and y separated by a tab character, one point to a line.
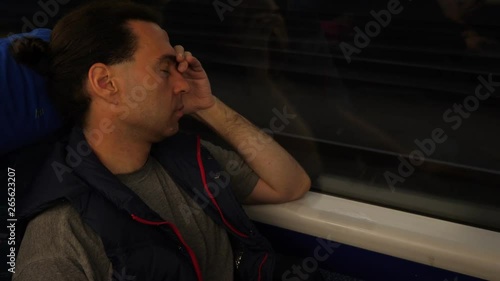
200	97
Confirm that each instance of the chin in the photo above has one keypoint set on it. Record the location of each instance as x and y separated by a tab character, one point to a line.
172	130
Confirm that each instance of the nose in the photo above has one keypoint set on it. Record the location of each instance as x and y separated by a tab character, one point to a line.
181	86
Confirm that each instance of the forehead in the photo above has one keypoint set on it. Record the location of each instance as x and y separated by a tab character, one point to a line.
152	42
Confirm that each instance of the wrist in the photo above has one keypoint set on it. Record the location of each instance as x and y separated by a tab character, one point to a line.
220	118
207	114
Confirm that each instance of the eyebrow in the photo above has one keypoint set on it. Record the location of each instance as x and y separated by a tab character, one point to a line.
167	58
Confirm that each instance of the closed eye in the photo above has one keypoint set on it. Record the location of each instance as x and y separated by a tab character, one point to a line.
166	63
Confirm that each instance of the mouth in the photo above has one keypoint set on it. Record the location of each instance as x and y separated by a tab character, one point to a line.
178	110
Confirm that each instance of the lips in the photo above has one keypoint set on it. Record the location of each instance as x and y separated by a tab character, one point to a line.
178	111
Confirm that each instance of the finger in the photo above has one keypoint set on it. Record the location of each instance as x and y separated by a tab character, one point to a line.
179	50
193	62
182	66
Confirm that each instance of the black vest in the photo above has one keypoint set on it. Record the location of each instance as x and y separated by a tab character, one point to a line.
137	241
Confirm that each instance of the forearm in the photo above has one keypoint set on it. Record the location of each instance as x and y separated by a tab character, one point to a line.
268	159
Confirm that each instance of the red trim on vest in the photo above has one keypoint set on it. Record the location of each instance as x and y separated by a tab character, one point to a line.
205	185
261	264
178	233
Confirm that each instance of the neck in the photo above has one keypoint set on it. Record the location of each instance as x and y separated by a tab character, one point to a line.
119	152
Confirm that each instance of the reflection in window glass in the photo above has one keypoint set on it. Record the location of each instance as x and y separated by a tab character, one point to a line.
389	102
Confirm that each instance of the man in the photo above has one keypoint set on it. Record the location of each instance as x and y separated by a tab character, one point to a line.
124	197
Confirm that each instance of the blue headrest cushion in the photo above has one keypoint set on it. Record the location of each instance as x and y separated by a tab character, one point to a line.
27	114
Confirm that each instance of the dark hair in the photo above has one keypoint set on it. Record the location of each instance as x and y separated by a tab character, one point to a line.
32	52
95	32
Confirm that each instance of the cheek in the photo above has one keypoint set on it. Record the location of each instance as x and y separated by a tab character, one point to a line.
160	105
164	95
139	95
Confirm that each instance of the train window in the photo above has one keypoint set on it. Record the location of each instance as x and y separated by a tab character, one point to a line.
389	102
392	102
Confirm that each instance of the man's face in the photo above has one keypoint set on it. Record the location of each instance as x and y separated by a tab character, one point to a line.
150	85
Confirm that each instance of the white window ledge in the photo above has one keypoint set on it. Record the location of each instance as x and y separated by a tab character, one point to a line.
451	246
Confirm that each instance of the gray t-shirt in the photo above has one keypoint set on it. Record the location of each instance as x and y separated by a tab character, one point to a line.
58	246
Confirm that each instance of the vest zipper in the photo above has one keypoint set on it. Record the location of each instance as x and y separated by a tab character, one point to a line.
210	195
179	236
262	264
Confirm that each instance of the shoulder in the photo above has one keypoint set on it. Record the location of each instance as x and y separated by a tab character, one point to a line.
59	234
60	220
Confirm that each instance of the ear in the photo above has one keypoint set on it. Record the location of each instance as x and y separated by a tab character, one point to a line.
101	83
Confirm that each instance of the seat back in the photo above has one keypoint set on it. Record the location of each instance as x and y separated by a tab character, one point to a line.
26	114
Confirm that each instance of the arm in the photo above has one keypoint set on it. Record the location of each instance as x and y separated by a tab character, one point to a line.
55	269
59	246
282	179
